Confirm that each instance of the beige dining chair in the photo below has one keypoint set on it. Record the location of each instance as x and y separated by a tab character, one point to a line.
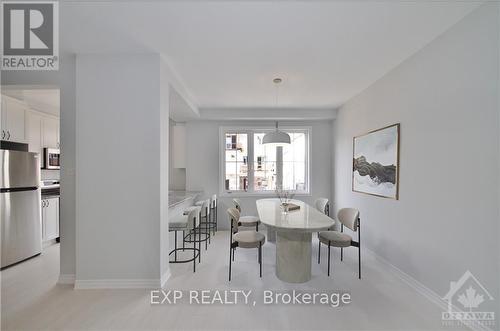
323	206
243	239
247	221
348	217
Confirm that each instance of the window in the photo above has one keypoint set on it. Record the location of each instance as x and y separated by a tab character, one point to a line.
236	162
248	166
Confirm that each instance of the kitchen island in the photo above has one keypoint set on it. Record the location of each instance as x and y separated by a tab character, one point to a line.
176	198
179	201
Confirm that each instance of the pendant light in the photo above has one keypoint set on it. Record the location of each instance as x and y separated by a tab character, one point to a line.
276	137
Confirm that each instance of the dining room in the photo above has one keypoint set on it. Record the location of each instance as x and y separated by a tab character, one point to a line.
258	165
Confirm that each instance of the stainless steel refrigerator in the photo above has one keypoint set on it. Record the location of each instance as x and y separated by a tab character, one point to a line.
21	230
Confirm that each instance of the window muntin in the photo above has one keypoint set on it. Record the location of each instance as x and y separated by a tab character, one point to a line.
248	166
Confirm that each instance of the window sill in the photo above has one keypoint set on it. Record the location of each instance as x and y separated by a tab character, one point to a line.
262	195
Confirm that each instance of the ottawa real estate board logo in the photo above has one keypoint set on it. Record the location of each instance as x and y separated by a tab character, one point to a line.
30	35
468	302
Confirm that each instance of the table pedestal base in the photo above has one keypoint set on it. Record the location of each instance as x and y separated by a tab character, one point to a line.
293	256
271	235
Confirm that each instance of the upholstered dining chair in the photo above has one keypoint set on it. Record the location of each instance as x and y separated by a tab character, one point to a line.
348	217
322	205
247	221
243	239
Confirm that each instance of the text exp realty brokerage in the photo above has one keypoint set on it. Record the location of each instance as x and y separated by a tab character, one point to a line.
234	297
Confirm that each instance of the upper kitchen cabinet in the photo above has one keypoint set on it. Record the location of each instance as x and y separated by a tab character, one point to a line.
34	129
13	120
179	146
42	130
51	132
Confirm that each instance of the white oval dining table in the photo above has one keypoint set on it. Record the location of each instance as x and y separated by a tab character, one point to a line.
293	236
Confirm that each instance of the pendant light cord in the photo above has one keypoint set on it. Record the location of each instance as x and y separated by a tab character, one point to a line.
276	96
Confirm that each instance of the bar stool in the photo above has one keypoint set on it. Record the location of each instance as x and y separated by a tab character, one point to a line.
246	221
203	229
243	239
185	223
213	212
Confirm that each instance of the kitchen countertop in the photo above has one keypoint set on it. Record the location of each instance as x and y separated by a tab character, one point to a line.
177	197
50	196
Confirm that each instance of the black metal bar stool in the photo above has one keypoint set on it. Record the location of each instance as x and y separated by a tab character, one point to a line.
203	231
212	225
185	223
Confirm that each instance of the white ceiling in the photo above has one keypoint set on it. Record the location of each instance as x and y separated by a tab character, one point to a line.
43	100
227	52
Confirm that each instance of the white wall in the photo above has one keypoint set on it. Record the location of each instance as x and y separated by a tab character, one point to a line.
446	99
177	177
122	170
202	173
164	170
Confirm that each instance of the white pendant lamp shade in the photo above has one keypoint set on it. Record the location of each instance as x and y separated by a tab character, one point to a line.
276	138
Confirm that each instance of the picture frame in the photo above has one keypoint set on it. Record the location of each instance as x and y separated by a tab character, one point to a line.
375	167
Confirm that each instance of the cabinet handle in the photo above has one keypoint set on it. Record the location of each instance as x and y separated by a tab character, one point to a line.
3	134
8	137
48	203
43	203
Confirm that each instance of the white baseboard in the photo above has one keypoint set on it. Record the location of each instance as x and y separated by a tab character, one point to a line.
66	279
81	284
165	277
420	288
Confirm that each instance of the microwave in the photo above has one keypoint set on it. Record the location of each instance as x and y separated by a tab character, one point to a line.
52	158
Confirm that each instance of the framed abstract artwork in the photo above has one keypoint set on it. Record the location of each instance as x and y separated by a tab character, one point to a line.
375	167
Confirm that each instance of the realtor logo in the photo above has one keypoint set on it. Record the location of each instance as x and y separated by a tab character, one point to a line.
30	35
467	293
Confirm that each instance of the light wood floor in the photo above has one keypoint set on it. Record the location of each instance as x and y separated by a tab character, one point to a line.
31	300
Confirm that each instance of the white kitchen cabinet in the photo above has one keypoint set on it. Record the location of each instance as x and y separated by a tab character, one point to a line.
50	218
13	117
50	132
34	129
179	146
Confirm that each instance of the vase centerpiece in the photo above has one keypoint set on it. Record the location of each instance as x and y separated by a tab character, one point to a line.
285	197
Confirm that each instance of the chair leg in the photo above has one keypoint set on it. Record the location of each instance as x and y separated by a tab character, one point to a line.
328	259
341	254
207	233
359	262
199	242
194	254
319	252
183	240
175	245
260	258
230	260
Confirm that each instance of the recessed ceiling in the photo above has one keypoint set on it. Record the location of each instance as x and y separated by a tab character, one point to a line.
227	53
